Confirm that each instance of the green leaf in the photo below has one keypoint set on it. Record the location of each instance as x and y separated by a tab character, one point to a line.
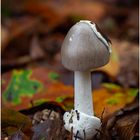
115	99
112	101
114	56
111	86
39	102
53	76
133	92
21	85
59	99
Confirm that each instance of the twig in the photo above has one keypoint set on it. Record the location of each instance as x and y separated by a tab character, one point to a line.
84	134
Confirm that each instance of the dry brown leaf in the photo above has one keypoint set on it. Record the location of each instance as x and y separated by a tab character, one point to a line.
113	67
51	18
123	54
111	101
49	129
17	27
88	10
36	51
15	119
4	37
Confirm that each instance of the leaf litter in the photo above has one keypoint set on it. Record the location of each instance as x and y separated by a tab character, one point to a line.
33	37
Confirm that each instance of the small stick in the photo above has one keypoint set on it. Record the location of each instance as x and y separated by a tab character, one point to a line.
102	114
84	134
71	133
32	103
49	113
76	135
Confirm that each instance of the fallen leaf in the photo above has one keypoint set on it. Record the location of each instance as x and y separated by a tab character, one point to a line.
13	118
89	10
36	51
49	129
127	54
113	98
111	86
126	127
122	124
48	88
4	37
19	135
20	85
20	26
53	75
44	11
113	67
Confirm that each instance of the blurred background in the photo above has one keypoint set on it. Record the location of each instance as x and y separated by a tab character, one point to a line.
32	32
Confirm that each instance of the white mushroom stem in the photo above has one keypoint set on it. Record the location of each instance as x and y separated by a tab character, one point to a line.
83	92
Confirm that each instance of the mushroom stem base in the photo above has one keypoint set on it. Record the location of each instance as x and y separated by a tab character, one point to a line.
83	92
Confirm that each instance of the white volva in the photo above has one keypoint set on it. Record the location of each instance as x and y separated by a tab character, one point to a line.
85	126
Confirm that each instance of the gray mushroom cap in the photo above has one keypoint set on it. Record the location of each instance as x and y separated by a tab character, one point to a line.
84	48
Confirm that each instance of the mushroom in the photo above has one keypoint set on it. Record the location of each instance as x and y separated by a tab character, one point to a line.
84	49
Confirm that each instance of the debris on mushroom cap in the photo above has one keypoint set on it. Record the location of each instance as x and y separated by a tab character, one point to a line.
82	123
84	48
99	34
